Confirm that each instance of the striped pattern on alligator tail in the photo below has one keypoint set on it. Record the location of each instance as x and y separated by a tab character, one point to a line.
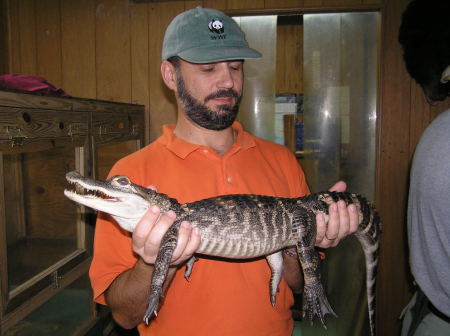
368	234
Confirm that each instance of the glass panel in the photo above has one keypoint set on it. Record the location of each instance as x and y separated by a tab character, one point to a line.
66	313
41	224
338	129
107	154
258	102
340	81
340	71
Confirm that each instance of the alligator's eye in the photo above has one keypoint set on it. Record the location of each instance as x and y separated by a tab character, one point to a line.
123	181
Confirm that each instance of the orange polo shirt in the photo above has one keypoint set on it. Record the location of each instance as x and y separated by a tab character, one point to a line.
221	297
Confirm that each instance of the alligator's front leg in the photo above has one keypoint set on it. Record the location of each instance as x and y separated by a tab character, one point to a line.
275	261
161	267
314	298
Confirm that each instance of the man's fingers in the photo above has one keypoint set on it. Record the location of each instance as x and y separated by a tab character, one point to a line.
332	231
149	232
354	218
339	186
183	239
321	227
188	243
344	219
160	228
328	234
193	244
144	227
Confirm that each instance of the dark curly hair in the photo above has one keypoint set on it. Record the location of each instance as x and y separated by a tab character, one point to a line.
425	37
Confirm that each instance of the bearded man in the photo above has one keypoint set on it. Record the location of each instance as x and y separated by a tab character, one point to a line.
206	154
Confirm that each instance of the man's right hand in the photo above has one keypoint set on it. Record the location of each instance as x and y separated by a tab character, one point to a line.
150	230
127	296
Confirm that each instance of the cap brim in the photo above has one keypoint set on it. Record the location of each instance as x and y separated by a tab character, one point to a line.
218	54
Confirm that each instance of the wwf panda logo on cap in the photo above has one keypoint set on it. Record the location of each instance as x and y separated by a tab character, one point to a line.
216	26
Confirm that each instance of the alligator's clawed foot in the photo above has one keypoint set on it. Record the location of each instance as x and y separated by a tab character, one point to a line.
316	303
152	308
273	300
189	266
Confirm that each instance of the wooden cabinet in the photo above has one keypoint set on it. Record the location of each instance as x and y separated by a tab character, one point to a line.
45	239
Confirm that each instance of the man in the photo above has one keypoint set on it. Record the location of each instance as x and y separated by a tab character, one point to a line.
425	37
205	154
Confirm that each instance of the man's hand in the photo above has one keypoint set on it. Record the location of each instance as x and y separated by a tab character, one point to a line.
342	221
128	293
151	229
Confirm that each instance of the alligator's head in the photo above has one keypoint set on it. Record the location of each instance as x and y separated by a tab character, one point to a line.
118	196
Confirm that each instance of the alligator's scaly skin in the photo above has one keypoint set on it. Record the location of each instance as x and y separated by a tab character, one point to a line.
241	226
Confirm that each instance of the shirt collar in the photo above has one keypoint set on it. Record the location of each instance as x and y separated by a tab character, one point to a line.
182	148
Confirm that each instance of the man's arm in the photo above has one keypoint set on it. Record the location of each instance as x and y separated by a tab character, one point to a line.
128	294
342	221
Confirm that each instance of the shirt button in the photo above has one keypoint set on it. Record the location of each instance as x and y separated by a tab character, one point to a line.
205	151
229	179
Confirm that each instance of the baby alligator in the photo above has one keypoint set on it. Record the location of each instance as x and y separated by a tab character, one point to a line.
238	226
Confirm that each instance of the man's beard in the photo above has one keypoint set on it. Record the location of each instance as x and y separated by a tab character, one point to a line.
203	116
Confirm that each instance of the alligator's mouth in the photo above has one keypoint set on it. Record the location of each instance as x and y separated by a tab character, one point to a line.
104	197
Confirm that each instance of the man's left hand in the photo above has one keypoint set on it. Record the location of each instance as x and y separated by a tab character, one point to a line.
342	221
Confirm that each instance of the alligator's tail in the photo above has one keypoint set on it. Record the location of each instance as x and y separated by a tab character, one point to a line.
368	235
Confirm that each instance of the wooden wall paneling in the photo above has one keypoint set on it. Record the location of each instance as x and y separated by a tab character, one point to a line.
13	38
420	116
313	3
48	41
162	102
341	2
281	52
438	108
393	172
217	4
140	87
188	4
27	38
283	3
113	54
43	172
245	4
3	37
289	74
78	48
372	2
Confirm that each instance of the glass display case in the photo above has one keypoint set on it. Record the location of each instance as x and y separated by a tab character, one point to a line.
329	63
45	239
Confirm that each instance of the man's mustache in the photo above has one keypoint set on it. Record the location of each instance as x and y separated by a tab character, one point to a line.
230	93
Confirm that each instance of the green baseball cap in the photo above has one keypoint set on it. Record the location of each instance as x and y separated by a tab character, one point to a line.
203	35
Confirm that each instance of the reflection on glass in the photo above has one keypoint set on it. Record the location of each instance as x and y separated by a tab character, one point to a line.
340	80
41	224
67	311
258	102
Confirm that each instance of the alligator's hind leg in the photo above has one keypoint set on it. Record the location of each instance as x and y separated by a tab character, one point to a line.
275	261
161	267
314	298
189	266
